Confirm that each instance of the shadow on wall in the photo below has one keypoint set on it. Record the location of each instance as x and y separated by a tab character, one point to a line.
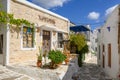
72	68
88	71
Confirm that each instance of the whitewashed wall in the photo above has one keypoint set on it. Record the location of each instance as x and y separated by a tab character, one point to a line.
106	37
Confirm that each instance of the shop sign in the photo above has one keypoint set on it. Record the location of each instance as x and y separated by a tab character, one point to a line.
46	19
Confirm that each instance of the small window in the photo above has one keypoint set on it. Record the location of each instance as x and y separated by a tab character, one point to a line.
95	48
96	40
60	39
28	37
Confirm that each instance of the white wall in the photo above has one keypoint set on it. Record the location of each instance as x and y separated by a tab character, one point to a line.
106	37
5	7
93	40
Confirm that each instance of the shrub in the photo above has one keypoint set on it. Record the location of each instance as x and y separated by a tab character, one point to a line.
56	56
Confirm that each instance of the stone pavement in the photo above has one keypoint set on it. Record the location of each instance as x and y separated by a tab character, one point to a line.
90	71
63	72
29	71
35	72
6	74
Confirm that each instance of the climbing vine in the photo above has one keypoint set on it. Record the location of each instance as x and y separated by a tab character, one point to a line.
7	18
14	24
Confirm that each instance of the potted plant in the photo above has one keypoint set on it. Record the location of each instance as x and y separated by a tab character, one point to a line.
56	57
67	54
39	58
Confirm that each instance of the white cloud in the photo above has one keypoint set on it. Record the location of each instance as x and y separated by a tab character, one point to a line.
50	3
109	10
93	15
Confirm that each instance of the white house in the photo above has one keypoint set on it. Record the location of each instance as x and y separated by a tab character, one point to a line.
93	40
108	41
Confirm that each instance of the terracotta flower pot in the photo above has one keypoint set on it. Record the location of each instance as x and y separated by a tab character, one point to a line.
59	64
66	61
39	63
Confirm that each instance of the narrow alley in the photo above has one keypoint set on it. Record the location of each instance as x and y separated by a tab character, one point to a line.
90	71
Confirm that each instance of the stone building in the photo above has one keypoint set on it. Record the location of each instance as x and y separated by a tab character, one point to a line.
50	30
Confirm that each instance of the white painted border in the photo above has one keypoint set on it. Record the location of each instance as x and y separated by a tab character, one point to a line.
6	36
22	40
61	49
41	9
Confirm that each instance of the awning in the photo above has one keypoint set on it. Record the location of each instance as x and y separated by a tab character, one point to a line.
79	28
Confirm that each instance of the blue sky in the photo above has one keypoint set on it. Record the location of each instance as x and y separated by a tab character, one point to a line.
80	12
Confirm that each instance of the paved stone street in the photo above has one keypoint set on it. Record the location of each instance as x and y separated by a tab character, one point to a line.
63	72
35	72
29	68
90	71
29	71
6	74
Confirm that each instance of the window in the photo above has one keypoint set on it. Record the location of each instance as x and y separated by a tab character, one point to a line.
109	55
28	37
96	40
60	39
95	48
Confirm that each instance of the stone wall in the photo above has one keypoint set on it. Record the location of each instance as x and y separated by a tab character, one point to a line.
18	55
31	14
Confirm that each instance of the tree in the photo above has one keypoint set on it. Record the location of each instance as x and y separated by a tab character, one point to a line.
78	40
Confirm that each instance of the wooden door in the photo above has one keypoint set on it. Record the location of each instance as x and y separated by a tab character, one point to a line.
1	49
46	42
109	55
103	61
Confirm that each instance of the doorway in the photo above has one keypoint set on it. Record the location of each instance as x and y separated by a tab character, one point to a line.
46	42
1	48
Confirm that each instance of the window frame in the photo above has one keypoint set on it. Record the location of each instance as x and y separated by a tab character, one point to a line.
34	45
58	40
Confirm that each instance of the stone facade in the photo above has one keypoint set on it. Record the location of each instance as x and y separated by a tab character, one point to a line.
33	15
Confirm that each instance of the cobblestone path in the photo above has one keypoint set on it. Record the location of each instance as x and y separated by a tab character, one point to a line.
6	74
90	71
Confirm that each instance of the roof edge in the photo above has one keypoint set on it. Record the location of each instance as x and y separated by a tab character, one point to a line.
41	9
